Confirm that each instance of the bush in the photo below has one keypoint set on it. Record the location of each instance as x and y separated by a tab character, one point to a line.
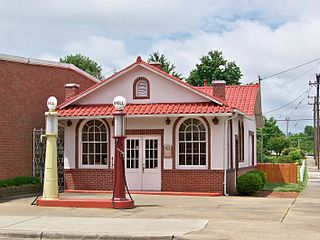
285	159
295	155
302	153
249	183
18	181
262	175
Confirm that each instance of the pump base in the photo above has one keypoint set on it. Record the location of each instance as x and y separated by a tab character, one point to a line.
86	203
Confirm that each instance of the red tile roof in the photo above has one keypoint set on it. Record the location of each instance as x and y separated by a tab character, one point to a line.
145	109
139	61
242	97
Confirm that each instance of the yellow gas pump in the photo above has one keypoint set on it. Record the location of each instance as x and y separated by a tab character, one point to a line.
50	183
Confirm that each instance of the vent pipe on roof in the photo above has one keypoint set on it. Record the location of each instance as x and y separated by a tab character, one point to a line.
70	90
204	82
155	64
219	89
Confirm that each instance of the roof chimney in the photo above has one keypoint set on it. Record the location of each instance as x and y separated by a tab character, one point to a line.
219	89
155	64
204	82
70	90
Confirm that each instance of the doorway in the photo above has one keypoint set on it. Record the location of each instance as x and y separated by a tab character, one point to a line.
143	163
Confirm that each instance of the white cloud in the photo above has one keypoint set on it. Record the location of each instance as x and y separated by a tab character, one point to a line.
259	50
263	37
107	52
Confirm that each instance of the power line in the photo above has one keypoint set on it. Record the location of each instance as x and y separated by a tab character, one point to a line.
294	79
290	69
288	103
298	119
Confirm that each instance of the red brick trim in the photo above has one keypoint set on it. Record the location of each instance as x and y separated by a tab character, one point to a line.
251	135
237	151
231	144
77	142
150	132
174	128
135	88
241	141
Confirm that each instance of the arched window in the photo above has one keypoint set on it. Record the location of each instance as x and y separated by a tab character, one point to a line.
141	88
94	143
192	143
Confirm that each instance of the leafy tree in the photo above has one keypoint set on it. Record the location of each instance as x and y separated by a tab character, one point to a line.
303	140
166	66
214	67
269	131
84	63
277	144
308	130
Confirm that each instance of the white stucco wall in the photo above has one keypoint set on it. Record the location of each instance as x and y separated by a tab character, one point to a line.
69	144
217	144
249	125
217	132
162	90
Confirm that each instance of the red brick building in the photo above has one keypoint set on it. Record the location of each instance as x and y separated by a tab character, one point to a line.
26	85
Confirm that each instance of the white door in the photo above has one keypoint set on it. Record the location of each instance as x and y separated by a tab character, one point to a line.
143	169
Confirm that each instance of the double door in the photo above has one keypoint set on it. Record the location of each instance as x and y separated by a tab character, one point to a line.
143	169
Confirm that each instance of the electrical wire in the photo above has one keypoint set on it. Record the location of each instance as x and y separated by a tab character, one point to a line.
274	110
294	79
305	97
290	69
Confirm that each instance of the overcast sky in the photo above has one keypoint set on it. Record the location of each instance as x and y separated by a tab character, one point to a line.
262	37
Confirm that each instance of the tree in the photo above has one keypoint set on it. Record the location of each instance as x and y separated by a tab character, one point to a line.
269	131
166	66
303	140
309	131
214	67
84	63
277	144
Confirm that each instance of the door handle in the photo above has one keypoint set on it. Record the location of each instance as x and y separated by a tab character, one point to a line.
143	167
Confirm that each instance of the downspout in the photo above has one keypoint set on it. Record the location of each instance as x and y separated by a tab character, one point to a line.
234	115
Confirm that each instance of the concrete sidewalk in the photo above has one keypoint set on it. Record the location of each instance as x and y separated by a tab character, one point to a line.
168	217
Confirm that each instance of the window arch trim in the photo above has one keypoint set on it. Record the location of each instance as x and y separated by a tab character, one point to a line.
135	88
178	124
80	147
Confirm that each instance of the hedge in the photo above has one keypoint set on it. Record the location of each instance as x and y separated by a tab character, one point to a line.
18	181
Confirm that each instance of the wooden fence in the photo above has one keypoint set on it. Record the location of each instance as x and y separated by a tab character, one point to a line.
282	172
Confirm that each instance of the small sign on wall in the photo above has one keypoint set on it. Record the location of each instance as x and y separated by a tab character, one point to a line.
167	150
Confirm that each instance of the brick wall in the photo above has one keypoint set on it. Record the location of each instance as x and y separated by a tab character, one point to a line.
231	186
88	179
24	91
192	180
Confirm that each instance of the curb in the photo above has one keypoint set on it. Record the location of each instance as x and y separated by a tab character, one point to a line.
24	234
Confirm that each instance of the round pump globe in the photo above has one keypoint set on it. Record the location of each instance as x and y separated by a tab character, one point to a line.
119	103
52	103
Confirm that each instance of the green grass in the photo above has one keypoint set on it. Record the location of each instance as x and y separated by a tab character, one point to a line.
287	187
18	181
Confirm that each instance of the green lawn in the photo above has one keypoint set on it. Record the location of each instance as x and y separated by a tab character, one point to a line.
287	187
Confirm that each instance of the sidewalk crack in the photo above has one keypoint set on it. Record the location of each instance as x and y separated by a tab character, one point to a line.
288	210
12	224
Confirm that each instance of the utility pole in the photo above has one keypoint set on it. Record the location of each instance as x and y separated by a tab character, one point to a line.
315	131
287	126
316	119
317	112
259	79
